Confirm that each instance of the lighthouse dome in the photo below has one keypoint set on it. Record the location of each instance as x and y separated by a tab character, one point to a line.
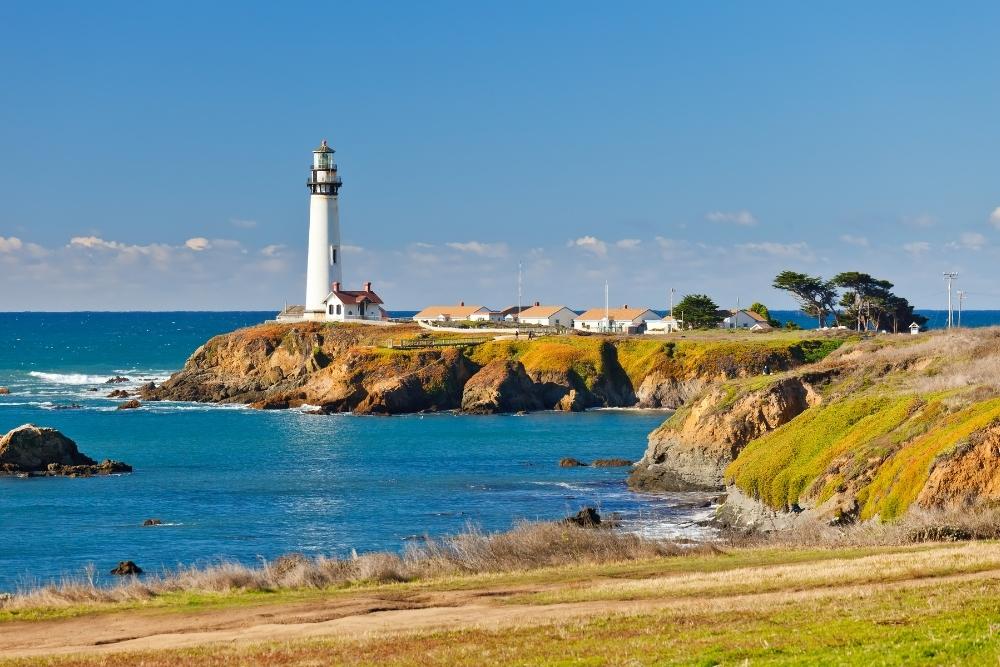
323	148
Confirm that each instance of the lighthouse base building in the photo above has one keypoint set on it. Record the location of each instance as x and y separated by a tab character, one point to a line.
327	301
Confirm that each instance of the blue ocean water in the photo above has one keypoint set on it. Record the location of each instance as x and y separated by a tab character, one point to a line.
235	483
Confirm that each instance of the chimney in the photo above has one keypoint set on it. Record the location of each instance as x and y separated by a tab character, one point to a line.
537	304
625	306
336	286
368	286
461	303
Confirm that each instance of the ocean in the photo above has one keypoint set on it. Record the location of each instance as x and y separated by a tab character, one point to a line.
230	483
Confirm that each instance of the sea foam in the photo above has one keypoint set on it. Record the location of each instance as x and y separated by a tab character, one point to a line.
68	378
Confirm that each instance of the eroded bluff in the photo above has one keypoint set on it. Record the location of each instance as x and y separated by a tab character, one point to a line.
341	368
691	450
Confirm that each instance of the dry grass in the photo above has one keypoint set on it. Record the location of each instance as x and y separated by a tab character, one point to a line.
529	546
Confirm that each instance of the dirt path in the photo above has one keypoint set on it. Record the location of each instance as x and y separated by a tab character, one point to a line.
366	615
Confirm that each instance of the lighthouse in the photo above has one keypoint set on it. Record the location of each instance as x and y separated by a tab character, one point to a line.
326	298
324	257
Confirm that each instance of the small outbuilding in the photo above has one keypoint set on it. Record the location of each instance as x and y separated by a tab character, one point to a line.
548	316
914	329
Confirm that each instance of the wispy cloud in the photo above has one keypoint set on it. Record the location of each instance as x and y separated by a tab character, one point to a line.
10	244
917	249
742	217
481	249
628	244
243	224
590	244
968	241
923	220
198	244
851	239
785	250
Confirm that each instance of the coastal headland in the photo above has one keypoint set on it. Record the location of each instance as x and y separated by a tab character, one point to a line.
406	369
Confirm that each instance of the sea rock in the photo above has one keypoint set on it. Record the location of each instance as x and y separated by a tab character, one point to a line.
500	386
31	448
118	379
572	401
118	393
130	405
152	522
585	518
37	451
4	391
612	463
691	450
570	462
127	568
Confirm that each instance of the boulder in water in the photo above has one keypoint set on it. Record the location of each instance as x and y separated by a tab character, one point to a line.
126	568
4	391
570	462
118	393
118	379
612	463
35	450
130	405
152	522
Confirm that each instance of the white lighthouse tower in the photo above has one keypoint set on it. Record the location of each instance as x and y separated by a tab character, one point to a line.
323	267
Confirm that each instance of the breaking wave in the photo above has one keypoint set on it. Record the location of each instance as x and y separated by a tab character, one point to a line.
68	378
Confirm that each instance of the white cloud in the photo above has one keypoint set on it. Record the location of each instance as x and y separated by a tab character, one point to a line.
95	243
352	249
995	217
243	224
628	244
481	249
590	244
198	244
850	239
742	217
917	249
969	241
273	250
921	220
10	244
785	250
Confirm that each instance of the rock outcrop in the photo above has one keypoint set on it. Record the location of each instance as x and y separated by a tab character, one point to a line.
500	386
690	451
132	404
344	367
39	451
4	391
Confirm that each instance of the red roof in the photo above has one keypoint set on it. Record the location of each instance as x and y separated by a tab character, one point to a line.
357	296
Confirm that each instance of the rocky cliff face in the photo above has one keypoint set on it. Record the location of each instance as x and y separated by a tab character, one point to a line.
967	476
691	450
350	368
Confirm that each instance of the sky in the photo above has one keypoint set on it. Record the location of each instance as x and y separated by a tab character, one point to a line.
153	156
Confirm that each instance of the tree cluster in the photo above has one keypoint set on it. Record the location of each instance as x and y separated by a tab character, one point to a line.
866	302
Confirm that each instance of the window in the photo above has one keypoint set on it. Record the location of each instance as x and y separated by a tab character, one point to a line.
331	309
338	309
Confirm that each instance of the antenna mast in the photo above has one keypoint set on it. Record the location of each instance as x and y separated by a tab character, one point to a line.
950	277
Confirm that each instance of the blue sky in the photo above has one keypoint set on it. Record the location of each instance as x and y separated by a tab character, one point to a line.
153	156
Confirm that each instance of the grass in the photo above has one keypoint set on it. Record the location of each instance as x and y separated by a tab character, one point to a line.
926	605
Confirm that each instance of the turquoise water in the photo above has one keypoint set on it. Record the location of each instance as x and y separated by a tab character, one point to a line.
234	483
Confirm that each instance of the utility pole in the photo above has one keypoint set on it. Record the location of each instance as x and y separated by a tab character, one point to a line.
519	292
961	298
672	290
950	277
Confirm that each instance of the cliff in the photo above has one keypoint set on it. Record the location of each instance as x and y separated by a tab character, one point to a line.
877	428
343	367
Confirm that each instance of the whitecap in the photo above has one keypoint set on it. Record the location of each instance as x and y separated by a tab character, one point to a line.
68	378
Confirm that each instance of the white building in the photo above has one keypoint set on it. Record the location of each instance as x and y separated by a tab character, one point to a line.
325	300
457	313
667	325
615	320
745	319
548	316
